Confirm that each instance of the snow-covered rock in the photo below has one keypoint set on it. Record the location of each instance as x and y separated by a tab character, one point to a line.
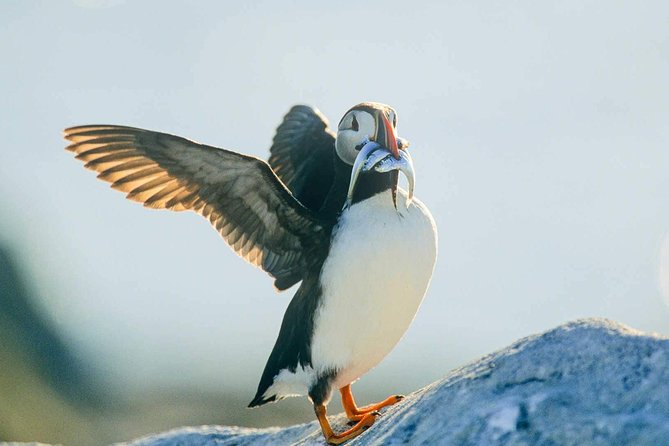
589	382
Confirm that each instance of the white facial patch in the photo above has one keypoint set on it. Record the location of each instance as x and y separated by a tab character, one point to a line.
348	137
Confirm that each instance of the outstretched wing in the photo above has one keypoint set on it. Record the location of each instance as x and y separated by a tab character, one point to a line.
302	155
240	195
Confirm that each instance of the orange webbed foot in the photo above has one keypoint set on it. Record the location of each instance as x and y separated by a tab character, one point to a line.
362	425
355	413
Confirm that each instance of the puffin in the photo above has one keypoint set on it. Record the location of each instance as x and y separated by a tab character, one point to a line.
325	212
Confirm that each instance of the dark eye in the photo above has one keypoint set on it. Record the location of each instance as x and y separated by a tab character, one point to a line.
354	124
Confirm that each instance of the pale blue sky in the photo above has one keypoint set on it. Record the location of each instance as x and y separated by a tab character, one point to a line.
539	133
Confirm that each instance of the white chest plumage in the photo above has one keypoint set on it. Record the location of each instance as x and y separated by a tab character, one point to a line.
373	281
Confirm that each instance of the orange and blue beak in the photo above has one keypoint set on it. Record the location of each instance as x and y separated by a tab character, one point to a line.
385	134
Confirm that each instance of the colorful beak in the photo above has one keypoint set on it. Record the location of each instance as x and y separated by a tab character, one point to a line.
385	134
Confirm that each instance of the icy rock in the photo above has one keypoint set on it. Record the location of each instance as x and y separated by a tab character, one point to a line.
589	382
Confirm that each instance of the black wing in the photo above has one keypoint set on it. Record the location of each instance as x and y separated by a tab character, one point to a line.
302	155
293	345
239	195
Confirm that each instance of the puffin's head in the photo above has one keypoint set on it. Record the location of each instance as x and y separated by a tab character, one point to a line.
367	140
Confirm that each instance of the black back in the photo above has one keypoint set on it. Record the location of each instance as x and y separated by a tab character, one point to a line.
293	346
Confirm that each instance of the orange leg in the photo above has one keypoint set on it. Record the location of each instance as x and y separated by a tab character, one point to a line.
332	438
355	413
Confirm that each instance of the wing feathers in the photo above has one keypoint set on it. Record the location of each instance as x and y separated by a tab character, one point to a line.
240	195
302	155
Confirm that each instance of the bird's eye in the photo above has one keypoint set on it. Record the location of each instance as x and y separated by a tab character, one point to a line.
354	124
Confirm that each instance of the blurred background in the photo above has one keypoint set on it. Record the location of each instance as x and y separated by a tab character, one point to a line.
540	136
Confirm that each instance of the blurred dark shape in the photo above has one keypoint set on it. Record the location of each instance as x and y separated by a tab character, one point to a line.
38	340
49	394
45	392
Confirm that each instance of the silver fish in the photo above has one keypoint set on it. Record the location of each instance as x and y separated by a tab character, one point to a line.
388	163
376	157
358	165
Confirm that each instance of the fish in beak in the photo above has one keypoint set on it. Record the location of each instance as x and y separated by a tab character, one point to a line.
382	154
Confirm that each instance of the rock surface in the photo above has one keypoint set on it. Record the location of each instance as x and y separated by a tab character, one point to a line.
589	382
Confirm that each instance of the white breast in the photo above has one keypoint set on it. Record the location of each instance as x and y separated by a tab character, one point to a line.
374	279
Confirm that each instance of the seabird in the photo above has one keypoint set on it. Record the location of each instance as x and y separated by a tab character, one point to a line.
325	211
